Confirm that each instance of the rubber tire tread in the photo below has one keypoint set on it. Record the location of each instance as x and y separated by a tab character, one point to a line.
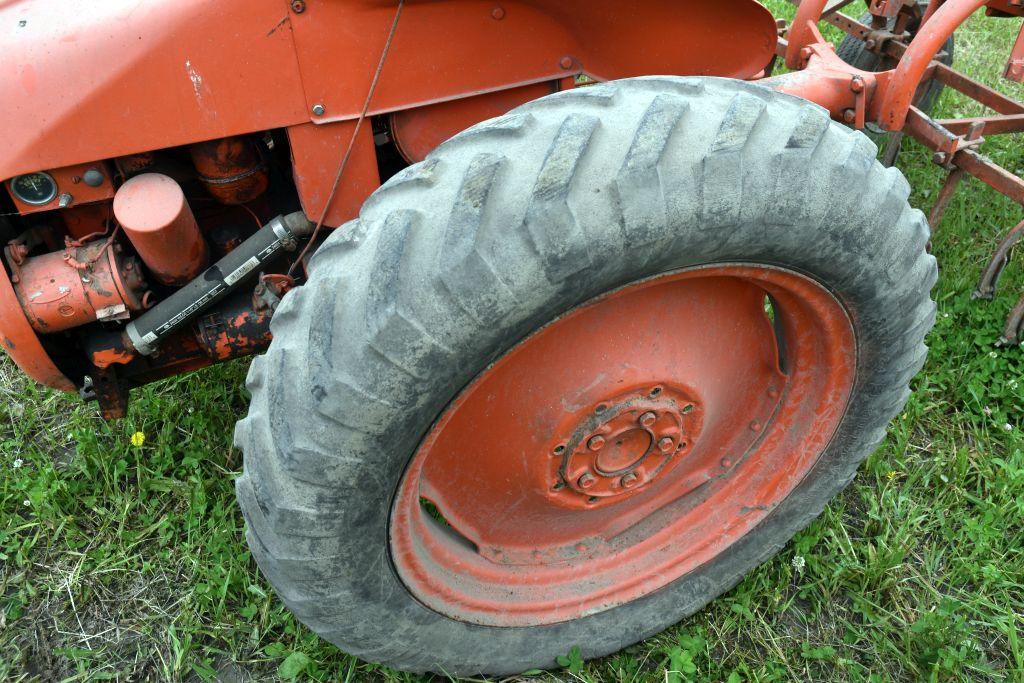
500	230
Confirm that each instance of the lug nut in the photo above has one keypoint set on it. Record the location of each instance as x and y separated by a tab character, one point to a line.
647	419
629	481
666	444
596	443
586	481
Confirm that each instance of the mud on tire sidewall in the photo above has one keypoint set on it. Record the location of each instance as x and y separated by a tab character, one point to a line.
481	244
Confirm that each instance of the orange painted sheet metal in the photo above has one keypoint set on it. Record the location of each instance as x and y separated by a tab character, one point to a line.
316	156
446	50
86	80
419	131
75	186
20	342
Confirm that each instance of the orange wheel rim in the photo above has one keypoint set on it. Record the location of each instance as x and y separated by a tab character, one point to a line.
623	445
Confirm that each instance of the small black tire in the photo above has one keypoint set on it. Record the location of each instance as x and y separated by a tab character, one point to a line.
457	258
854	52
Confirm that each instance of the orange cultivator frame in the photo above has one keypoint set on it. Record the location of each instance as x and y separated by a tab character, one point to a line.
886	99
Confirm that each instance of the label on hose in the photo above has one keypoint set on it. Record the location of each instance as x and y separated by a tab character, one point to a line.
243	270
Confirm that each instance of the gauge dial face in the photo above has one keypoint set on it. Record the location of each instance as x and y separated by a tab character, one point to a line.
35	188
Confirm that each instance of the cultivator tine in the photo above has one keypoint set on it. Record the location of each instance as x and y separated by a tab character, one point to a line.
949	189
1014	325
990	278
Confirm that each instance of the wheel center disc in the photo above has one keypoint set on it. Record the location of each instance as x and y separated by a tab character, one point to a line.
623	444
624	452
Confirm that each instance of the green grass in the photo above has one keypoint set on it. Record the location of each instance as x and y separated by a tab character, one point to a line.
128	562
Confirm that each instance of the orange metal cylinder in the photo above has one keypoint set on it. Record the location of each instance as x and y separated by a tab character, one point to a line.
152	210
62	290
230	169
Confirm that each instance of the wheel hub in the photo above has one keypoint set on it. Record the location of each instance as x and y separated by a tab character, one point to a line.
623	444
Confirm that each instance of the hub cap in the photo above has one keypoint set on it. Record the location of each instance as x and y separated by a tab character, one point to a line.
623	445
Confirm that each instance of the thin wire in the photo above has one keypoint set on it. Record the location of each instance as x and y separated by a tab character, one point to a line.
355	136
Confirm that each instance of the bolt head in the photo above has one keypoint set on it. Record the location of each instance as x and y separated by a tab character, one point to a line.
648	418
755	426
566	62
595	443
857	85
629	481
666	444
319	109
498	13
298	6
586	481
849	116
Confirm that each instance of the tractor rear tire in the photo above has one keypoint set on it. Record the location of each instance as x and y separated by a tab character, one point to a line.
527	265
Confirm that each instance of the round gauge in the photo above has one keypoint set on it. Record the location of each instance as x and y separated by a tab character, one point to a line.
35	188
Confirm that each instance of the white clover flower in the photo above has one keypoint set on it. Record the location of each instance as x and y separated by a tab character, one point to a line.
26	502
993	354
987	411
1008	427
17	463
799	563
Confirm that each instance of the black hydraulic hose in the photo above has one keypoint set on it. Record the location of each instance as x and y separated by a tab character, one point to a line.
281	234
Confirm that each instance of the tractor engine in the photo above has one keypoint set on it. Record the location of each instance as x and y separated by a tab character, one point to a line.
107	261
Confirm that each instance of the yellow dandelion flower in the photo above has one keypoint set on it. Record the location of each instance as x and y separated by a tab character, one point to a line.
138	438
892	474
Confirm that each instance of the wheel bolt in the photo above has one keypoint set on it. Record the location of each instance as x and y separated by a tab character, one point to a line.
629	481
666	444
596	443
647	419
586	481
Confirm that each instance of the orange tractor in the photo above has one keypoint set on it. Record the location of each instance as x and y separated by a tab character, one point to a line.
570	313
